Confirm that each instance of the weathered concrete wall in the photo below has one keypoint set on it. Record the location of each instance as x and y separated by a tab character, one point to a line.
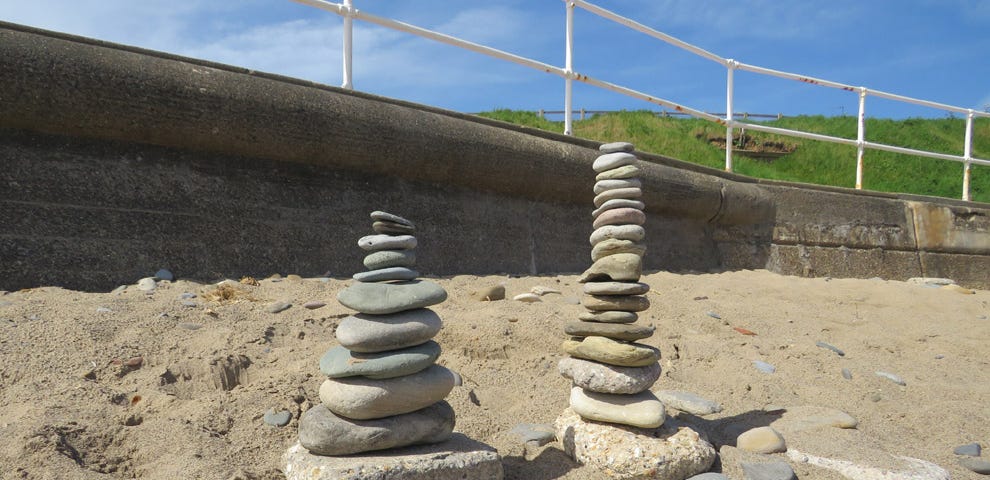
117	162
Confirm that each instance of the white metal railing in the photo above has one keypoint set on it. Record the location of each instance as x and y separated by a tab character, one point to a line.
348	12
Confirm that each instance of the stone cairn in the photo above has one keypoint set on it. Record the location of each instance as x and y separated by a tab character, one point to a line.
614	421
383	389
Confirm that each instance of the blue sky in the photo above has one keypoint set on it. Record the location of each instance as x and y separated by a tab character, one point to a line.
937	50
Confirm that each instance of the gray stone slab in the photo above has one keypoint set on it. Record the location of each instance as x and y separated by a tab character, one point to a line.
457	458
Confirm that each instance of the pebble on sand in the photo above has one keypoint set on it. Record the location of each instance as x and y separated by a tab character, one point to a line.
768	471
527	298
688	402
970	449
538	433
830	347
764	366
976	464
761	440
893	378
278	307
278	419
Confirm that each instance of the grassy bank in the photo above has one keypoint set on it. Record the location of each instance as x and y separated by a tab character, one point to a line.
808	161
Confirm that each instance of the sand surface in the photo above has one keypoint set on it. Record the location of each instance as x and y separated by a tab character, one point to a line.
124	384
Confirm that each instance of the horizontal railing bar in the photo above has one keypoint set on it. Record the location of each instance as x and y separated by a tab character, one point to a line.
668	112
601	12
430	34
794	76
925	103
648	98
922	153
792	133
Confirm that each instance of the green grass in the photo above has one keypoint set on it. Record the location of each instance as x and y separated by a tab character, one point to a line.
813	162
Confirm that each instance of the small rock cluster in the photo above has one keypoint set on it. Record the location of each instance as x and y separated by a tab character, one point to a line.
614	422
383	389
611	373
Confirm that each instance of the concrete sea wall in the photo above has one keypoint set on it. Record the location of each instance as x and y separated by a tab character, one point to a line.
118	161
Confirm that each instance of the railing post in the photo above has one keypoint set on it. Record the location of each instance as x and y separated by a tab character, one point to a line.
730	65
860	138
348	48
967	154
569	70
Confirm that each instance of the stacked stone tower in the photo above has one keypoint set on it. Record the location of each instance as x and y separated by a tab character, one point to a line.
612	374
383	389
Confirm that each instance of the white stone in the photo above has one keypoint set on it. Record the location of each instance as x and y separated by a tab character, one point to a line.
363	398
638	410
630	453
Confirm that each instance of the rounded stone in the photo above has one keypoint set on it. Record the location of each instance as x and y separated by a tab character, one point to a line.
639	409
363	398
976	464
381	216
617	203
617	331
612	352
616	288
621	267
374	243
616	147
613	246
633	233
324	433
627	193
489	294
620	216
604	185
599	377
627	171
613	160
384	298
147	284
622	303
392	228
277	419
386	274
390	258
666	453
609	317
377	333
761	440
688	402
340	362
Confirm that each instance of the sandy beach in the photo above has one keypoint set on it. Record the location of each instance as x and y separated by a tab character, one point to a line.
156	385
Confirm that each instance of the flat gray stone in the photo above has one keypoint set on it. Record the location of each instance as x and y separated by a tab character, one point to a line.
893	378
457	458
392	228
362	398
382	298
277	419
609	317
340	362
626	171
620	216
616	288
612	184
613	160
538	433
613	246
277	307
324	433
975	464
374	243
627	193
622	232
709	476
164	274
764	366
390	258
386	274
768	471
665	453
970	449
618	331
831	347
622	303
688	402
381	216
612	352
368	333
616	147
621	267
600	377
617	203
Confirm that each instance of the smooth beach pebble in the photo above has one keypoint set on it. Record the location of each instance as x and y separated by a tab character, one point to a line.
613	160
